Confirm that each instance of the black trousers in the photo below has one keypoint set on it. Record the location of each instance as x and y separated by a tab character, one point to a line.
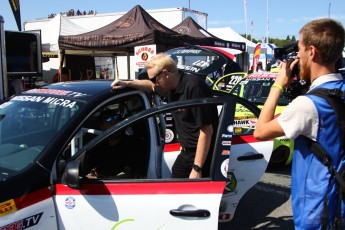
184	162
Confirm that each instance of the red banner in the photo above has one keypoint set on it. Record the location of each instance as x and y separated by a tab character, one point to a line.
16	12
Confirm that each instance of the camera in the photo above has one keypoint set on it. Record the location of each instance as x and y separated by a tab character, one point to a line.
287	53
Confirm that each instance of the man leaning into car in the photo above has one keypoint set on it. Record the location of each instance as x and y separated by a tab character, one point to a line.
194	126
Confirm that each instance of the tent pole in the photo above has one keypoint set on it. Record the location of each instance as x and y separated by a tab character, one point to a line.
62	57
128	66
4	92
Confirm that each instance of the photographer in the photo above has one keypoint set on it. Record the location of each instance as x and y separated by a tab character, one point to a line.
320	46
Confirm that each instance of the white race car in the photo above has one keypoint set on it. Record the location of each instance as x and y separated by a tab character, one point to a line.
47	136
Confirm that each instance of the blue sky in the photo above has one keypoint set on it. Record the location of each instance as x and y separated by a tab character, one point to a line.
285	17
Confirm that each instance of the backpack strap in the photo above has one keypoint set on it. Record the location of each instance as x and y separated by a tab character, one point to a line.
326	160
334	98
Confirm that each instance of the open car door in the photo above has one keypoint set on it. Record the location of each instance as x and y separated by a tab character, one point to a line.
155	200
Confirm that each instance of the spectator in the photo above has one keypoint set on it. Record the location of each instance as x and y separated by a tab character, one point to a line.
194	126
259	67
320	45
116	157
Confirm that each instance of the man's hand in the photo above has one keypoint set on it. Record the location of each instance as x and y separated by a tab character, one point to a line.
118	84
284	77
194	174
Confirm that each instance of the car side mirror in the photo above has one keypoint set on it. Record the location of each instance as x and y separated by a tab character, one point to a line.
71	174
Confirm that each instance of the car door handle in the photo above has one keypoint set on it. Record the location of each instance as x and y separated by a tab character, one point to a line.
256	156
190	213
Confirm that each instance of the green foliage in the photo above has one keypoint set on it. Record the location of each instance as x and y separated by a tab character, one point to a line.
277	41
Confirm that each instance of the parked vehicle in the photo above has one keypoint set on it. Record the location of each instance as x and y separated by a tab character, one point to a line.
255	88
47	135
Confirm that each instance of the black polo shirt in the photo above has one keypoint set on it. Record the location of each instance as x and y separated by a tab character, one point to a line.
188	121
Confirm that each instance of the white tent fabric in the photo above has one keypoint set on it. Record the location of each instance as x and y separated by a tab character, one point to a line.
227	33
52	29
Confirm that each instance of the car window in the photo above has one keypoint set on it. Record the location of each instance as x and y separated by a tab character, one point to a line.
106	157
28	123
198	61
227	82
256	90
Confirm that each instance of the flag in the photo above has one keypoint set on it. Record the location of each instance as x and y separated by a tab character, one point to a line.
256	56
245	16
16	12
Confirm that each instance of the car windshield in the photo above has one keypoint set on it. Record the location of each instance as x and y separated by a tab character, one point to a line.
27	124
256	90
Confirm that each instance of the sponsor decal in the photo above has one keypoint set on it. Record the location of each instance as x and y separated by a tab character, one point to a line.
57	92
188	68
122	222
226	152
201	64
231	183
144	56
125	24
230	128
235	79
145	49
70	202
226	135
226	143
241	123
244	117
188	51
183	30
7	207
23	223
224	167
169	136
47	100
283	140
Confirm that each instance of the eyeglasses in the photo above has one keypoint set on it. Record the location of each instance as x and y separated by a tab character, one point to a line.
154	79
115	117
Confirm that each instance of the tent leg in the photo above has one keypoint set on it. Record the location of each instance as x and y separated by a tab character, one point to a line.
128	66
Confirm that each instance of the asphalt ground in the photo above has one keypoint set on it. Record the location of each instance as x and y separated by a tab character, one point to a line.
267	205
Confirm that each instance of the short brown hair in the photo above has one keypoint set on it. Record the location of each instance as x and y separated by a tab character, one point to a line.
160	62
327	35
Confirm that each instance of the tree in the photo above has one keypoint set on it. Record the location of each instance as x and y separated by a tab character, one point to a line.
277	41
293	39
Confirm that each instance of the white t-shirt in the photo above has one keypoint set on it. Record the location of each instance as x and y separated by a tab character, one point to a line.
300	117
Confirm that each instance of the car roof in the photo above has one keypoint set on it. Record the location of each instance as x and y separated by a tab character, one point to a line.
225	51
82	90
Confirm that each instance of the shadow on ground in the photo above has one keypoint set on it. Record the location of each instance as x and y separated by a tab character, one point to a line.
265	206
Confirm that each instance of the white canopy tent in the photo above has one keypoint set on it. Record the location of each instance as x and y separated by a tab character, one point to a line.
50	32
52	29
227	33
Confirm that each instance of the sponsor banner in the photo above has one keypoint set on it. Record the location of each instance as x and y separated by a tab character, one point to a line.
143	54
